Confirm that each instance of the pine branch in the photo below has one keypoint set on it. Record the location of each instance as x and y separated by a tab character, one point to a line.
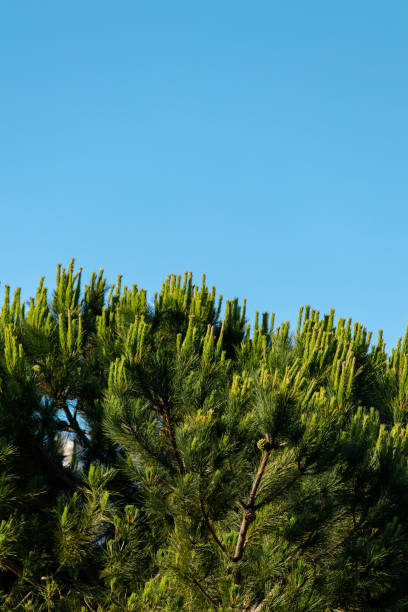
302	547
258	607
282	489
17	572
73	423
249	508
168	428
207	520
64	426
167	483
204	592
145	447
151	454
295	556
356	528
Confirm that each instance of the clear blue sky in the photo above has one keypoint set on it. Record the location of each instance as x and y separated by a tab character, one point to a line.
264	143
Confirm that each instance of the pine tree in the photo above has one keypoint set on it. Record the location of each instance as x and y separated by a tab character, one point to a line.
215	467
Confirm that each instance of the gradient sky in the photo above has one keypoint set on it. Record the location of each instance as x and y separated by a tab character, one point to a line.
264	143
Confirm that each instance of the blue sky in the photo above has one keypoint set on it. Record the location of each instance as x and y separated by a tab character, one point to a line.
263	143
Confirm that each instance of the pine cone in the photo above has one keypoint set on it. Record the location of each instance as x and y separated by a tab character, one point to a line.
261	444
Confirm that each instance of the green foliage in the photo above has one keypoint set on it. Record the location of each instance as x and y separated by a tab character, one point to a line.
168	456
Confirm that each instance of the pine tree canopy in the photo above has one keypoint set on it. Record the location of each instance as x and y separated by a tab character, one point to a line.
164	455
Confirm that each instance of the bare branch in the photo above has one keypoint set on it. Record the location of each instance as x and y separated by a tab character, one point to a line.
73	423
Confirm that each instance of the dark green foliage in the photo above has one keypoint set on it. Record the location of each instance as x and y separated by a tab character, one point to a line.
166	457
